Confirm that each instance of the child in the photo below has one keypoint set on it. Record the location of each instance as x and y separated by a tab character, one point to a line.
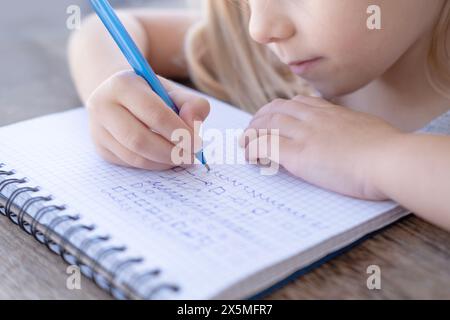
378	89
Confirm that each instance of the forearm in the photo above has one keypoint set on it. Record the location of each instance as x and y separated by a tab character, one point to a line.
415	172
94	57
160	34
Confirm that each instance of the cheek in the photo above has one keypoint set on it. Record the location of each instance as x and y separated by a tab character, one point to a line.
357	56
351	62
363	57
342	37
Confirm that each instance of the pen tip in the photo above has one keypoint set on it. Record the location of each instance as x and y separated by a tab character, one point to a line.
207	167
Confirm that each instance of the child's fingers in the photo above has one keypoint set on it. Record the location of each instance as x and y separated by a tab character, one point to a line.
296	109
284	151
313	101
167	84
110	157
136	137
286	126
138	162
112	151
147	106
192	107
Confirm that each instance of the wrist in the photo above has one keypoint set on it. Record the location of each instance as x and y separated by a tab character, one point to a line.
387	160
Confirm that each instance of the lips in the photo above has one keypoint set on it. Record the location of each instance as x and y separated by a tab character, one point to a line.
303	66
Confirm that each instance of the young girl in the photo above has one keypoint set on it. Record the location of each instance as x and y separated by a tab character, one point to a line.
379	88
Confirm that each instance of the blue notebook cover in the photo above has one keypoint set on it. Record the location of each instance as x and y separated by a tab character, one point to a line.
296	275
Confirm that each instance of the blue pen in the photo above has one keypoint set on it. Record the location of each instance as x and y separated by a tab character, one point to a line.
134	56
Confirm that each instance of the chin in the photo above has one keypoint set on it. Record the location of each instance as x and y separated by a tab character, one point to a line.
328	91
335	89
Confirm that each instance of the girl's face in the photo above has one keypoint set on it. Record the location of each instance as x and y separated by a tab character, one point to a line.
329	43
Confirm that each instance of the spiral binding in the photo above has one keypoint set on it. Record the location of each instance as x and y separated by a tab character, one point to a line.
91	269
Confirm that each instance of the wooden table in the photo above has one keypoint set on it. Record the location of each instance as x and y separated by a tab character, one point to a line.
414	256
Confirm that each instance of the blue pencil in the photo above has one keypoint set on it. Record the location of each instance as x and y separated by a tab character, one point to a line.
134	56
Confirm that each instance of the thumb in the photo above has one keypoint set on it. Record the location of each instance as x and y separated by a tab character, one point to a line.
192	107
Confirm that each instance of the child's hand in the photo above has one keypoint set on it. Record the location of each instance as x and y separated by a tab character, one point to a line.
327	145
131	126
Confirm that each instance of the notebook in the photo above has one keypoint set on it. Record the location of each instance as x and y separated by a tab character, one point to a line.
185	233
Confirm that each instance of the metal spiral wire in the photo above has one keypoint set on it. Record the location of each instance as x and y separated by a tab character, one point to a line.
45	232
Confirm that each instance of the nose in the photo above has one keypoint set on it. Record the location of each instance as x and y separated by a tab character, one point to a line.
268	26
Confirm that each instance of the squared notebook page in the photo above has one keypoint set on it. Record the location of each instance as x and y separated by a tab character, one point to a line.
206	231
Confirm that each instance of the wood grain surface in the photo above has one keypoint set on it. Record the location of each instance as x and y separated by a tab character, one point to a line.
414	256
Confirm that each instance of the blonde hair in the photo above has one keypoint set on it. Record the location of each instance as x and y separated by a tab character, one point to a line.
226	63
439	55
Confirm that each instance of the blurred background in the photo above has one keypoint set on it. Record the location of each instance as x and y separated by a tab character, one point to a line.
34	77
